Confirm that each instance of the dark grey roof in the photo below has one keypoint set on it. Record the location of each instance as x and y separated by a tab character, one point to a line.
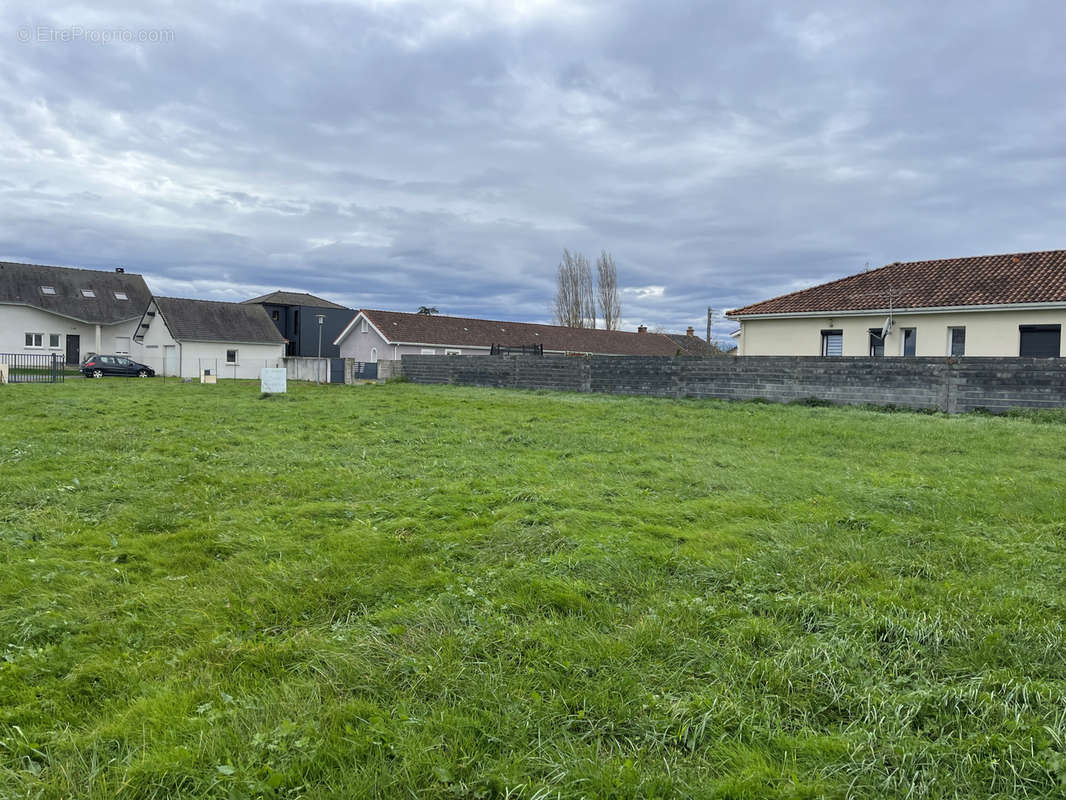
694	345
212	321
22	284
281	298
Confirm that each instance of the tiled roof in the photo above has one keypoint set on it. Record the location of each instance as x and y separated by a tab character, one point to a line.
27	284
212	321
282	298
693	345
982	280
443	331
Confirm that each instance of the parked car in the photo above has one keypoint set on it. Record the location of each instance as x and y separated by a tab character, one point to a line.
99	366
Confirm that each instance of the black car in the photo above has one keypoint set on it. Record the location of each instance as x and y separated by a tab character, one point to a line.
99	366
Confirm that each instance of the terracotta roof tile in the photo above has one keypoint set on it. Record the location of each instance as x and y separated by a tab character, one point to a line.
440	330
1038	277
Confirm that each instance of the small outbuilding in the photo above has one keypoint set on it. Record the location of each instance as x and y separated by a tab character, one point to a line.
183	337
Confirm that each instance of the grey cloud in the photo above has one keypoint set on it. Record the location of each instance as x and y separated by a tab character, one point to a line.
393	155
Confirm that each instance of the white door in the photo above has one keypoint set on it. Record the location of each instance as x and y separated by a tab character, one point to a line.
170	359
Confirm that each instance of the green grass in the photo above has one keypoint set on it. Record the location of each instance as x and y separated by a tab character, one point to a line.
410	591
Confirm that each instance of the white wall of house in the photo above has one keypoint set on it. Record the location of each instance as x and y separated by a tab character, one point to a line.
988	333
249	358
364	344
164	354
17	321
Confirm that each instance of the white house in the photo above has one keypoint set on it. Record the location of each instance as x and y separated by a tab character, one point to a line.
388	335
1004	305
184	337
69	312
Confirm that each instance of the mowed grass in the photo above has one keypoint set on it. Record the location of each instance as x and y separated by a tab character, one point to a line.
410	591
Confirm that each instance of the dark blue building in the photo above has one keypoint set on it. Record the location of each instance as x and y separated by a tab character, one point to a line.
296	316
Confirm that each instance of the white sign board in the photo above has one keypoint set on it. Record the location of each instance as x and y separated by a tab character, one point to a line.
272	381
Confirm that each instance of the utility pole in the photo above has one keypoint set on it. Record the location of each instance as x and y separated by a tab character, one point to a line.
318	364
710	313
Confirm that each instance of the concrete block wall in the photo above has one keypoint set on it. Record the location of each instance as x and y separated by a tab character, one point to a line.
953	385
306	369
386	369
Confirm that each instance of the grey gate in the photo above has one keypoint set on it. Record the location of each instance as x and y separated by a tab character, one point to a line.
365	370
336	370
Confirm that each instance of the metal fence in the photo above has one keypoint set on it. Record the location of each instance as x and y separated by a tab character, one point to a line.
517	350
33	367
50	368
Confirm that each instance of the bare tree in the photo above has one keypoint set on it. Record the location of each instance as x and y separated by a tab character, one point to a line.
607	292
575	302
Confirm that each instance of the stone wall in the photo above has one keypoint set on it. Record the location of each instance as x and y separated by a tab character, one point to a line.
953	385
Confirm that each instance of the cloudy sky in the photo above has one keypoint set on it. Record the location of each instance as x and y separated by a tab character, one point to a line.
397	153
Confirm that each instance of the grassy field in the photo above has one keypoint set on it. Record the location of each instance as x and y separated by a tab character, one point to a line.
407	591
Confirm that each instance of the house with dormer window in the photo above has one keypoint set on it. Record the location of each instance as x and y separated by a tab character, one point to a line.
69	312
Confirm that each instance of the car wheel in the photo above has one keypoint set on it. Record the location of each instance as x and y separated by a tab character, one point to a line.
98	373
142	374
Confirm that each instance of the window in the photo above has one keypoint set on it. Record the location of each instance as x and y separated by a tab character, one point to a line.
449	352
88	293
428	351
956	341
365	327
374	354
274	315
122	344
832	343
910	341
53	340
48	290
121	296
231	356
34	340
877	343
1039	341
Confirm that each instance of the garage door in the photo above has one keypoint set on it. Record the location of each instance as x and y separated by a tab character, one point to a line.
1040	341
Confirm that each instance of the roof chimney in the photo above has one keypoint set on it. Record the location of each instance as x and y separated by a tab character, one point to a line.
691	331
642	329
120	270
